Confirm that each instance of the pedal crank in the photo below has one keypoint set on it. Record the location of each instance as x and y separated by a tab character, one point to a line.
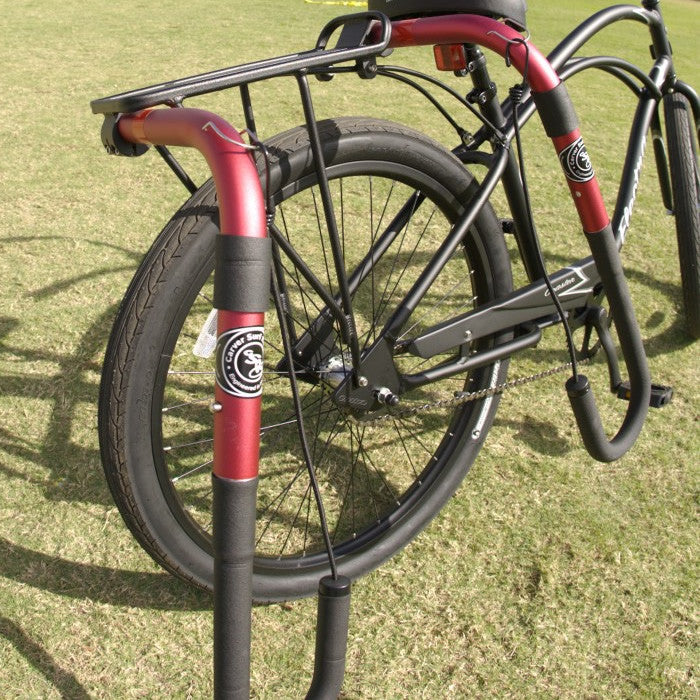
597	318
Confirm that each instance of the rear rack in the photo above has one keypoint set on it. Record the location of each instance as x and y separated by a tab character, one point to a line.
356	29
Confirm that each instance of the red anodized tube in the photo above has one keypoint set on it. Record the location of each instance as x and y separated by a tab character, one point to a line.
542	78
242	213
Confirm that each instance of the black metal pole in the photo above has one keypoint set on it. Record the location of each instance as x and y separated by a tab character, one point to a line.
234	546
331	638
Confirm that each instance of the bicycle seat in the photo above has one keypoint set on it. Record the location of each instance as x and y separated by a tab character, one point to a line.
512	11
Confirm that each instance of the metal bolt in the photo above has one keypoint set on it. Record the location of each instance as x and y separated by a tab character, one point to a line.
467	335
362	381
386	396
215	407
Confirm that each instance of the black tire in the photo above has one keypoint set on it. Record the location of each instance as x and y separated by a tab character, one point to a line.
683	161
383	481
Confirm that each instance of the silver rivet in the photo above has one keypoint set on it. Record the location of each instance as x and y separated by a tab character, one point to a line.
215	407
362	381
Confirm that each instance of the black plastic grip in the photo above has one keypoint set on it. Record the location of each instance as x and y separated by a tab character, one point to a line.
242	274
331	638
607	259
233	514
556	111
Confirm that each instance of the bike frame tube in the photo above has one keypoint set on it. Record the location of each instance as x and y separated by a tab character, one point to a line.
624	71
560	56
556	112
527	59
530	303
542	78
394	325
486	32
653	86
644	116
566	48
242	213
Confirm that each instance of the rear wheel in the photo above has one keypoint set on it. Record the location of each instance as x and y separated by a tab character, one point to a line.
684	180
381	481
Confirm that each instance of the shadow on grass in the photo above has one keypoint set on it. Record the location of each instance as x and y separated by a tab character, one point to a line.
64	681
73	468
102	584
541	436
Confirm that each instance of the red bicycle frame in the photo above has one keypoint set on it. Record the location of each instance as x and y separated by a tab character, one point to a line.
242	213
561	125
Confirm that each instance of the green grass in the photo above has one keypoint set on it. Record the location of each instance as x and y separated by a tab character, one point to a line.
548	575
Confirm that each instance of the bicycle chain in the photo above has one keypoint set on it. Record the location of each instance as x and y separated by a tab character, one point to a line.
463	397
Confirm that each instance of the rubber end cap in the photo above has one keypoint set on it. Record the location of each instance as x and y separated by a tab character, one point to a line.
576	388
334	587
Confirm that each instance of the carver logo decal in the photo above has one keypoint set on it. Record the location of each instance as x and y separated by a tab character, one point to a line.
576	163
239	361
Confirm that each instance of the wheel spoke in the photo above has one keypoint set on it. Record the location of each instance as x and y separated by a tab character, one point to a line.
192	472
206	441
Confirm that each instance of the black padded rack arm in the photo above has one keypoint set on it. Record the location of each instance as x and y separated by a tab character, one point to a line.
360	27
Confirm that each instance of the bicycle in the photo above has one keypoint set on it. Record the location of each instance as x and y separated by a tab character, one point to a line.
361	332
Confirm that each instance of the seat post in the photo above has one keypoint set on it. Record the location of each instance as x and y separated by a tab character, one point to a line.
485	96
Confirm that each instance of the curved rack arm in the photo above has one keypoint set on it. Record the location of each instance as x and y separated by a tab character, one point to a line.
561	125
242	248
241	291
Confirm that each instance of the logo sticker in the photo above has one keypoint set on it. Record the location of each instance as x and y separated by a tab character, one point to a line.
239	361
576	163
572	286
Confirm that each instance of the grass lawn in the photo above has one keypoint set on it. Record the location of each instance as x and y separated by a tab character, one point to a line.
548	575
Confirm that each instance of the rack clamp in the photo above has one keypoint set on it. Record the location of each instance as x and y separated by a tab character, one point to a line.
355	31
113	142
482	97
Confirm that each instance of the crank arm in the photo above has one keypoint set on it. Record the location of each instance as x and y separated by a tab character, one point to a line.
597	318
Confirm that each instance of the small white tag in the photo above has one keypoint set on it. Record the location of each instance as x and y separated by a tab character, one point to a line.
206	342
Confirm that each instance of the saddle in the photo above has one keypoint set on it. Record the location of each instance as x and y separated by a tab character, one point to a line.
512	11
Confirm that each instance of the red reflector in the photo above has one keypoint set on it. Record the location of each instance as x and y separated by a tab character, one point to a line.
450	56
